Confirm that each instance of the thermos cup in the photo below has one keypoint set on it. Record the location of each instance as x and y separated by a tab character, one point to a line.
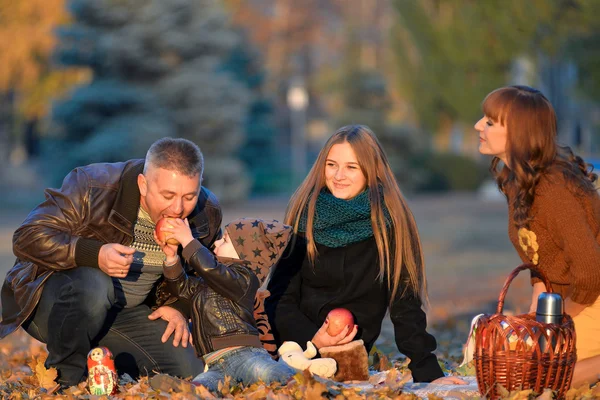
550	311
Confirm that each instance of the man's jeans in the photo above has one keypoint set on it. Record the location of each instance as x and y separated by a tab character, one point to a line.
245	365
77	312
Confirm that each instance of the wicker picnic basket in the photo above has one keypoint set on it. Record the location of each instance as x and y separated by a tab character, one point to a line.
508	351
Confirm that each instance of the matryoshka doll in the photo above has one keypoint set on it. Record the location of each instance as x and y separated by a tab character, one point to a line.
102	375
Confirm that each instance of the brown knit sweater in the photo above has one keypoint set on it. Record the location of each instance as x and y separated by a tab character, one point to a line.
563	238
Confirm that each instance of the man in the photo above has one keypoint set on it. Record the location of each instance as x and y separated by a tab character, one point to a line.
88	271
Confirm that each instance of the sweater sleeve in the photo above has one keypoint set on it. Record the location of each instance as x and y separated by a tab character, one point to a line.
412	339
287	321
566	220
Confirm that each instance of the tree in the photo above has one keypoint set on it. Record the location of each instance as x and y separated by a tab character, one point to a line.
27	80
451	53
259	151
584	46
155	67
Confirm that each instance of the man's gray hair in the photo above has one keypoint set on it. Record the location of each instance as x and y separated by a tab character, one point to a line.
179	155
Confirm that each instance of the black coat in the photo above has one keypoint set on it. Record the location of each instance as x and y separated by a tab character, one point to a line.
302	296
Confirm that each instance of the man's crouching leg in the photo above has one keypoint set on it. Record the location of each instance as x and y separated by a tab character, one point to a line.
71	312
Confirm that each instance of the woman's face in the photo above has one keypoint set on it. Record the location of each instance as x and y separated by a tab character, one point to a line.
343	175
492	138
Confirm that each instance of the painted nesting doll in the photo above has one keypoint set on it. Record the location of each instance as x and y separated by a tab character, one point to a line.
102	375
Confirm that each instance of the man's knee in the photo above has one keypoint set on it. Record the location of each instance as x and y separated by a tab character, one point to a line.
87	289
184	362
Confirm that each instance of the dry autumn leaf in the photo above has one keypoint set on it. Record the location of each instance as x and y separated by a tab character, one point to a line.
315	390
23	383
546	395
46	378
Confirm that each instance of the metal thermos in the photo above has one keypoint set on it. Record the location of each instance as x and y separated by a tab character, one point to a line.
550	311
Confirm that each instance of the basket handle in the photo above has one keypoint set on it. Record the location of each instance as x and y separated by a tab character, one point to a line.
512	276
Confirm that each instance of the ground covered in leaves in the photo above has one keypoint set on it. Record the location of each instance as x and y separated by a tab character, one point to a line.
23	376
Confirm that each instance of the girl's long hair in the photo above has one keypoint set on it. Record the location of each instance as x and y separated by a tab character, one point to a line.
531	147
398	247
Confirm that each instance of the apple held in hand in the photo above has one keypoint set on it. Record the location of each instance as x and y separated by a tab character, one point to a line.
162	235
338	319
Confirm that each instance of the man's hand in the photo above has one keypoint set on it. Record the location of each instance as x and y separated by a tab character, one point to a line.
177	324
114	259
323	339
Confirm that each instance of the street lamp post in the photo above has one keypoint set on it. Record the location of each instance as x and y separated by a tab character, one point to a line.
297	100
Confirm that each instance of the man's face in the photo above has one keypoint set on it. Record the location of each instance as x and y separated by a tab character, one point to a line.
166	193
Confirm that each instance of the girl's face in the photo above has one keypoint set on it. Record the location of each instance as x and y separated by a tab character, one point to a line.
343	176
492	138
224	247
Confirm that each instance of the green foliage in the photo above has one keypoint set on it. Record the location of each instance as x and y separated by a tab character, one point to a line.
446	171
258	152
451	53
584	46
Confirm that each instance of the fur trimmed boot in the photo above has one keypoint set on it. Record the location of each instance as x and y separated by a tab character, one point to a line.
352	361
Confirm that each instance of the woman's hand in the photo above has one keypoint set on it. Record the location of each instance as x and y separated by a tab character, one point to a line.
323	339
538	288
449	380
572	308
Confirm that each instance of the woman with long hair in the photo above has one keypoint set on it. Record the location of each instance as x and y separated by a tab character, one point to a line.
356	247
554	209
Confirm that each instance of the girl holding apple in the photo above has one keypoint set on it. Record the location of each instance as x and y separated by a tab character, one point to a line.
356	247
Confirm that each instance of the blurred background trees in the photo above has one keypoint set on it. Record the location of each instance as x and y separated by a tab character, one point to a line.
28	81
99	80
155	73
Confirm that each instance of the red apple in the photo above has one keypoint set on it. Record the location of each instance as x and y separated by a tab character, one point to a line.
162	235
338	319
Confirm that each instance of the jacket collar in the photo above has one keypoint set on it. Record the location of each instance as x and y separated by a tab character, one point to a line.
125	209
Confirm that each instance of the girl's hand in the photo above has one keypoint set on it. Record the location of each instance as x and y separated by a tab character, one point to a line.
179	230
170	250
323	339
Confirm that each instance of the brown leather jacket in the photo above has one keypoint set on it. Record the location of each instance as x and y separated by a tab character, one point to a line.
97	204
221	298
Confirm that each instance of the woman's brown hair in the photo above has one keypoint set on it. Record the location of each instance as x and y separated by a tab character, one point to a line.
403	248
531	147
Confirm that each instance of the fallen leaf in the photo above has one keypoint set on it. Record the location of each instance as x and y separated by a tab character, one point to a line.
315	390
548	394
46	378
432	396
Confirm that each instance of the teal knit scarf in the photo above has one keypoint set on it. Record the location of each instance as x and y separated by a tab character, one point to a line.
341	222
